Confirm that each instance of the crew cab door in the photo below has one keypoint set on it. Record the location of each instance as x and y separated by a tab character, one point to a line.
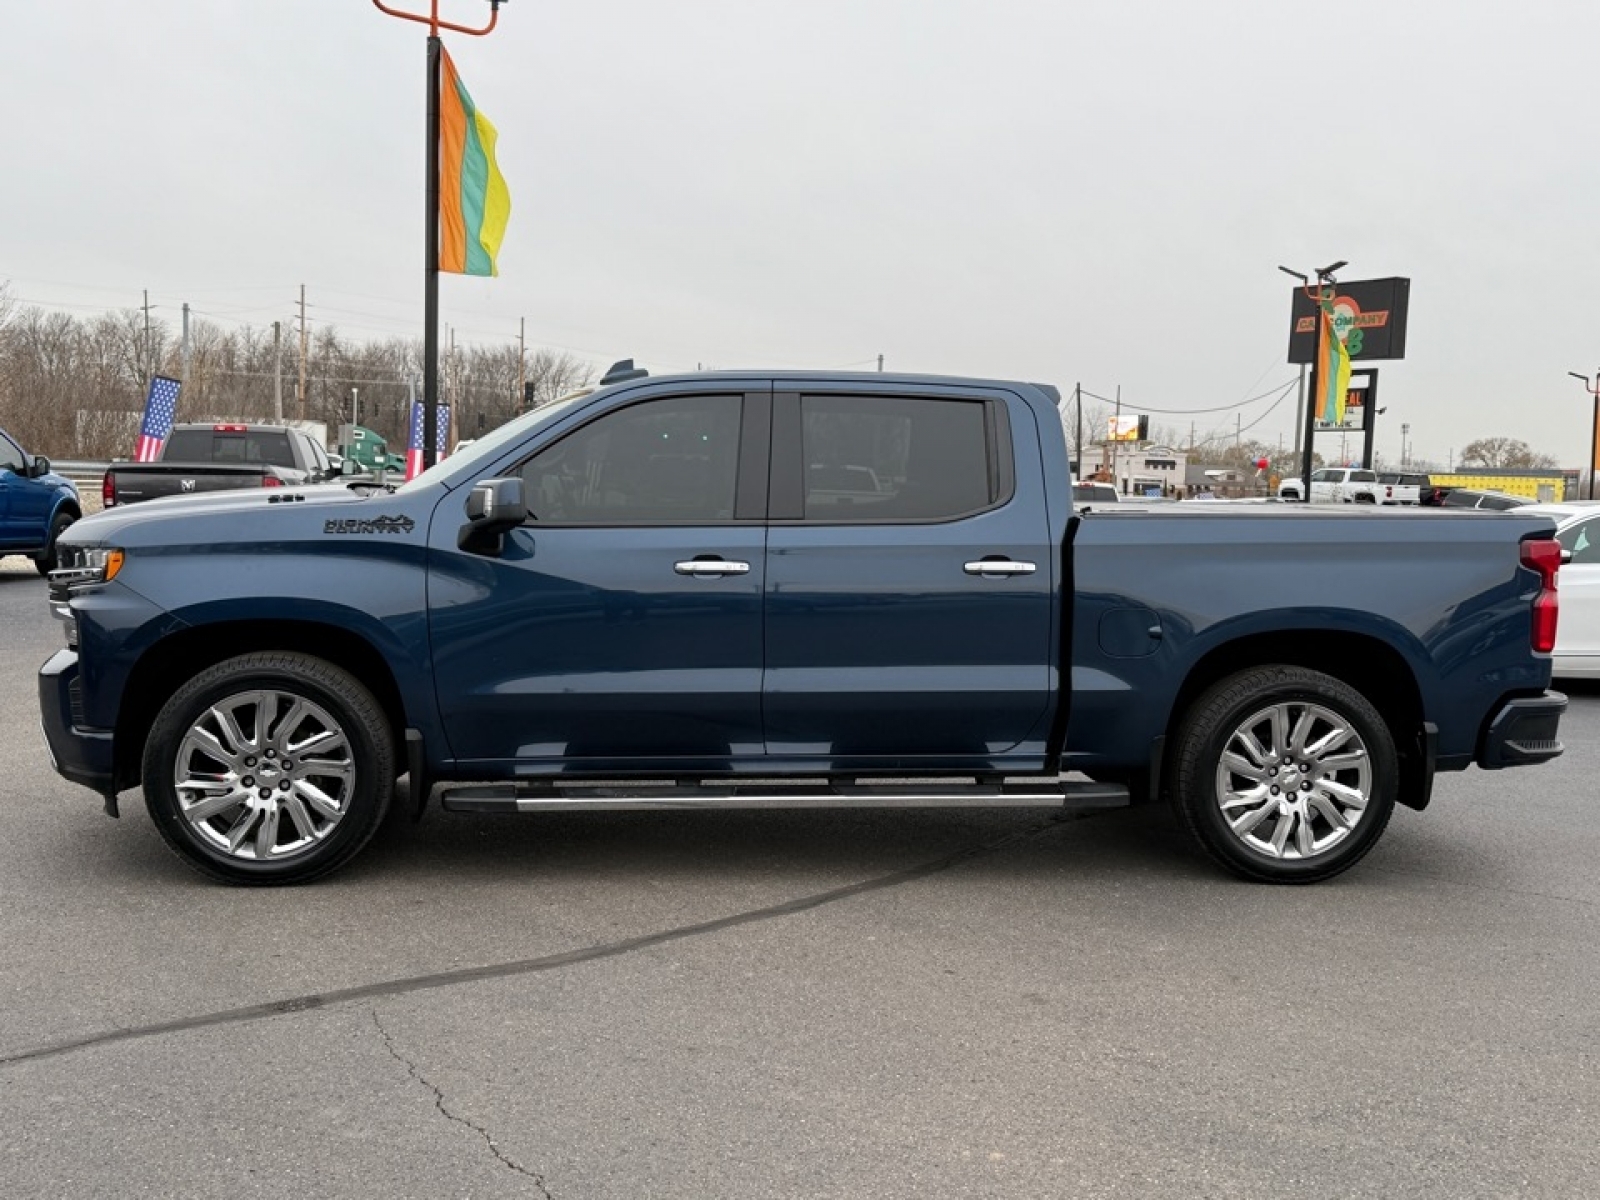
909	591
620	626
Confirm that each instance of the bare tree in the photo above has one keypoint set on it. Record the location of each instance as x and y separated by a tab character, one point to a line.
1504	452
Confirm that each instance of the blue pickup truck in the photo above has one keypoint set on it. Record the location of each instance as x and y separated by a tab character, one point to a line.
36	505
788	590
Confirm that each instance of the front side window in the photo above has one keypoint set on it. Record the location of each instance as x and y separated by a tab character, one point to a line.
875	458
673	461
11	458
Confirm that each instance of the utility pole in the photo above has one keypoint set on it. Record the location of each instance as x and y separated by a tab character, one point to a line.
1405	456
1077	441
302	393
880	364
149	350
184	373
277	371
1238	430
355	406
522	364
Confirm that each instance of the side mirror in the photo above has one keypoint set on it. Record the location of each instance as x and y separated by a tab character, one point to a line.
349	466
494	506
41	466
1566	555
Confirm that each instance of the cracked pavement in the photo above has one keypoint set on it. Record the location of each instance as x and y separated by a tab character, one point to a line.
798	1004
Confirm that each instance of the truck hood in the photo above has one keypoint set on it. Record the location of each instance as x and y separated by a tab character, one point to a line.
258	503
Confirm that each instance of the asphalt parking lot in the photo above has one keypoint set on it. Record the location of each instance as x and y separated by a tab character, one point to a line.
1007	1004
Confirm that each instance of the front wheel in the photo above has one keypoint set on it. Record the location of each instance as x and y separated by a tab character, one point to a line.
1284	775
45	560
269	768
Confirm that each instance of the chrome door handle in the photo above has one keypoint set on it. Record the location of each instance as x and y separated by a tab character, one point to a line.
999	566
711	566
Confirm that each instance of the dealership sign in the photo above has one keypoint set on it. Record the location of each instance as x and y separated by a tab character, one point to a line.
1369	317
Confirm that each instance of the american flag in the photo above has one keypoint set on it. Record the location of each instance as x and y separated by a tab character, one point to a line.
160	407
441	437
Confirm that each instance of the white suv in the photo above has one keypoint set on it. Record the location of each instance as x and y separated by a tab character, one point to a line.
1335	485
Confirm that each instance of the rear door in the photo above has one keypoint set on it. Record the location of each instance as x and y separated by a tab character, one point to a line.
620	629
909	620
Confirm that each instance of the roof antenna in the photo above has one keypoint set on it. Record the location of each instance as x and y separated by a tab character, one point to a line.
621	370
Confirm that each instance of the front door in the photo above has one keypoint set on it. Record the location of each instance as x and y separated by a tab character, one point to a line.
620	629
15	530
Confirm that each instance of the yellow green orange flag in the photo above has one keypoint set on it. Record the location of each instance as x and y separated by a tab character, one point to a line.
1333	369
474	202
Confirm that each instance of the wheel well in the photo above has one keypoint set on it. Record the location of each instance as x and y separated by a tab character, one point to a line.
178	658
1371	666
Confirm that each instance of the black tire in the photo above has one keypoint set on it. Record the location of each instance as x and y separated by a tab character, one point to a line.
1316	808
45	560
295	797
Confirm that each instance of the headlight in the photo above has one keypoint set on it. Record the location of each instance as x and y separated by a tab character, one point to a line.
80	567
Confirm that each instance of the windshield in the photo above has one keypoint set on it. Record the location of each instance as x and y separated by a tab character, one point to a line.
495	439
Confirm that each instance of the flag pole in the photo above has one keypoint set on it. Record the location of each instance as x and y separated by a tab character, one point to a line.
430	259
430	302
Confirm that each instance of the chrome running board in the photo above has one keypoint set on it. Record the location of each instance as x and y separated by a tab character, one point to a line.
639	795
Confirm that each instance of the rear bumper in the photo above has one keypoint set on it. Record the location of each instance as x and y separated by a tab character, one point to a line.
78	753
1523	732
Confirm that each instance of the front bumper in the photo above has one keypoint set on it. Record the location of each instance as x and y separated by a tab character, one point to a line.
78	753
1523	732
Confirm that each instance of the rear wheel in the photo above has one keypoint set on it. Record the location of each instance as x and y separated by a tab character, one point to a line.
269	768
1284	775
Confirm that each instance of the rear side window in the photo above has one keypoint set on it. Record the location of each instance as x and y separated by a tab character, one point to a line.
885	458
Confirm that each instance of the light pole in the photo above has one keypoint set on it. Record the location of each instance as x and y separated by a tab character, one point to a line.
1594	427
1405	456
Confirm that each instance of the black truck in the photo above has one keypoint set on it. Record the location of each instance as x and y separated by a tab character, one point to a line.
212	458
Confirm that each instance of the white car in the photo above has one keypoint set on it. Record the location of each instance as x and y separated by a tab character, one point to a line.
1577	653
1335	485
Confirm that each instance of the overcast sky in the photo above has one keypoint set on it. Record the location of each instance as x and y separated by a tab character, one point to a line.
1058	191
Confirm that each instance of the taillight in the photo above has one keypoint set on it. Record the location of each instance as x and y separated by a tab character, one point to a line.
271	481
108	491
1544	556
